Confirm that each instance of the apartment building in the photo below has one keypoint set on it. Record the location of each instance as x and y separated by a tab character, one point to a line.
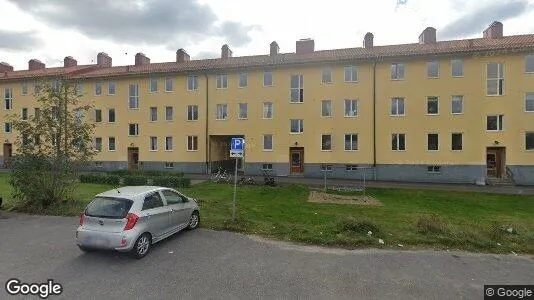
432	111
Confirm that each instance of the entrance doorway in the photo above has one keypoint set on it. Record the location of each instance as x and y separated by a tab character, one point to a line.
296	160
8	153
495	162
133	158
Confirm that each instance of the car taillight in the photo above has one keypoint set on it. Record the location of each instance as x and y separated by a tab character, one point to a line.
132	220
82	219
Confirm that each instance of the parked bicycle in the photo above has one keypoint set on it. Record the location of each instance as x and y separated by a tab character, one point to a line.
221	176
246	180
268	179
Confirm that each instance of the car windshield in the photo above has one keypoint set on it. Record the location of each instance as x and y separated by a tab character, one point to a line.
115	208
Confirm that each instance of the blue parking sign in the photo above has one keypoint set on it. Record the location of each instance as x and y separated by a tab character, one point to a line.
237	144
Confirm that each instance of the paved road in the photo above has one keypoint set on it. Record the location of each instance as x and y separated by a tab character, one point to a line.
205	264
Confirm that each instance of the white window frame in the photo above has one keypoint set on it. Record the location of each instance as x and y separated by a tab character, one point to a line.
351	167
527	57
396	65
433	169
428	65
351	141
396	100
97	86
527	94
192	83
328	72
24	89
96	119
397	135
114	144
114	115
151	118
136	129
500	123
428	144
22	117
167	109
322	144
167	80
8	99
153	85
239	106
190	143
265	167
151	143
299	88
354	105
265	73
134	97
500	80
114	85
461	64
221	113
459	98
462	141
526	135
271	105
192	108
432	99
240	82
169	165
10	127
353	73
326	168
96	144
167	148
300	126
221	81
272	142
329	105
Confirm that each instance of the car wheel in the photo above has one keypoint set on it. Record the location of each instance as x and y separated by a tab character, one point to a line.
142	246
85	249
194	221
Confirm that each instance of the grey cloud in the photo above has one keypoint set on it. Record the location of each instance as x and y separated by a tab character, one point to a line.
160	22
206	55
11	40
476	21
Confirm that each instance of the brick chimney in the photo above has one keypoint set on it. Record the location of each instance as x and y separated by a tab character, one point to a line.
35	64
5	67
141	59
274	49
182	56
494	31
69	62
305	46
428	36
103	60
225	51
368	40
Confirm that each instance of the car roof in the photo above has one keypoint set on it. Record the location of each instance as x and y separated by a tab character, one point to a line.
130	191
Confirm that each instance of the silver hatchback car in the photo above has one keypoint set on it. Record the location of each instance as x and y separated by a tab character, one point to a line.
133	218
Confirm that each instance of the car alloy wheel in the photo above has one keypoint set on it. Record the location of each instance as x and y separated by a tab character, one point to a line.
142	246
194	220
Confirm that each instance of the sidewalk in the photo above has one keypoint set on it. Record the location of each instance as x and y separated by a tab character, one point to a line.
319	182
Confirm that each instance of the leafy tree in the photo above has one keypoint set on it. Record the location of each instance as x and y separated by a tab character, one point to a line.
50	145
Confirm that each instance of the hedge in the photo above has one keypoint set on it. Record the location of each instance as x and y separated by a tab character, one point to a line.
100	179
135	180
146	173
173	182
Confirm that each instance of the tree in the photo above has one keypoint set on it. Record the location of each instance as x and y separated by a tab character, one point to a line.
50	145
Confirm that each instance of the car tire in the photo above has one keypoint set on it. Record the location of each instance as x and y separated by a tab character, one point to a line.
194	221
85	249
142	246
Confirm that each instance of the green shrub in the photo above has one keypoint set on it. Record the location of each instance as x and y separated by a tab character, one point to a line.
135	180
430	224
152	173
100	179
170	181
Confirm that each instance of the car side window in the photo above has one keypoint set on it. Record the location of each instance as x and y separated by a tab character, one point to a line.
173	197
152	201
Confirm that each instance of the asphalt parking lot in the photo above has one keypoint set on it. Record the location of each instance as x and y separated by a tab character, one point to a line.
205	264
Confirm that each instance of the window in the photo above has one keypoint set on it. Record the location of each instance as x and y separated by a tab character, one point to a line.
433	169
152	201
495	79
55	86
243	111
153	85
168	165
297	126
267	167
351	167
529	141
8	98
192	112
79	89
153	143
457	142
326	168
8	127
99	164
111	143
351	142
168	143
327	75
111	115
267	142
172	197
457	105
37	88
432	69
351	74
529	63
398	141
168	84
326	142
222	111
326	108
432	106
98	144
133	129
297	88
168	113
433	142
37	114
98	89
529	102
494	123
397	107
192	143
222	81
457	68
192	82
243	80
351	108
153	114
98	115
111	88
24	89
397	71
133	96
267	78
267	110
24	114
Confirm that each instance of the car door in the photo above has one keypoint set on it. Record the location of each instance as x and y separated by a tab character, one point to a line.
156	213
177	204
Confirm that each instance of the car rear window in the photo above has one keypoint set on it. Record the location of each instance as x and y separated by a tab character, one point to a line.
114	208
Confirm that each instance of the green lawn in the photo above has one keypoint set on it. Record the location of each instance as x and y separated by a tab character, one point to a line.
412	218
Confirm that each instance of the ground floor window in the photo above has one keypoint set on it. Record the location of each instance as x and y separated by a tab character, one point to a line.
326	168
169	165
351	167
267	167
433	169
99	164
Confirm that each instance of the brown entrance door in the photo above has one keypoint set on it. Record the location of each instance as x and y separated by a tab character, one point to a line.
296	160
8	153
495	162
133	158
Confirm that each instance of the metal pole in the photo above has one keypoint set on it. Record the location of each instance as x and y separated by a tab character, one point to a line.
235	188
325	181
364	187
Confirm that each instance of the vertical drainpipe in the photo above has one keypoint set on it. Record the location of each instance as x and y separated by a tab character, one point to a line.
207	120
374	120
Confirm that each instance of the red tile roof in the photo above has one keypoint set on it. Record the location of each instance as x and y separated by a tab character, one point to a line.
455	47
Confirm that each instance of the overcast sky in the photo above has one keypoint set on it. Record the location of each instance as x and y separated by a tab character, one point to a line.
49	30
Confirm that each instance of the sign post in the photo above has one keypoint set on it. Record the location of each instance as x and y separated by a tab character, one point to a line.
236	150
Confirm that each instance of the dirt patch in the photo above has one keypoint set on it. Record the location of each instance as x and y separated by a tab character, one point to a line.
321	197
